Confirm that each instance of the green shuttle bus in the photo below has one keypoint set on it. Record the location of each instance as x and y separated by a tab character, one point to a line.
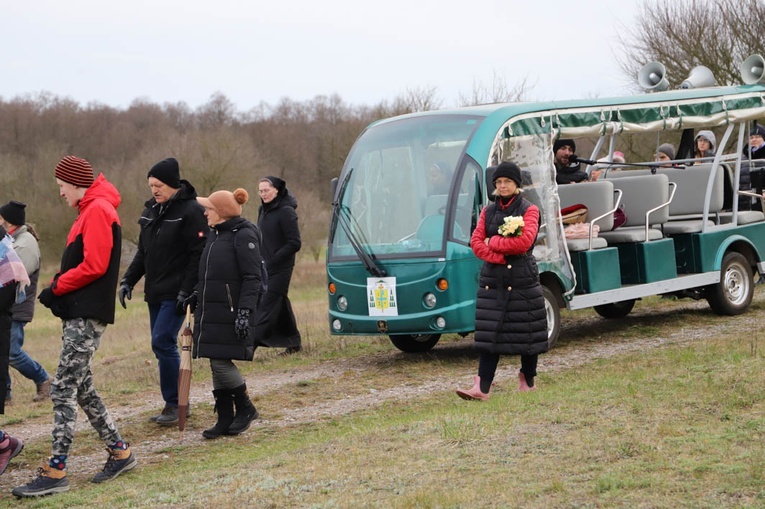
399	261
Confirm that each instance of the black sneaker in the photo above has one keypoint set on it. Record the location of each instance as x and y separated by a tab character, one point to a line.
168	417
120	460
48	481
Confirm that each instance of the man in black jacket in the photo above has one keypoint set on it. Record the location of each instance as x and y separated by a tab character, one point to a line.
565	171
173	232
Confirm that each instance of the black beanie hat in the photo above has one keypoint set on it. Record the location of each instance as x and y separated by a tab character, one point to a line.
508	170
13	213
562	143
757	130
167	171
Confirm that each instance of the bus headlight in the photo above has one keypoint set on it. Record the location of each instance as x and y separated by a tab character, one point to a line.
441	322
342	303
429	300
336	325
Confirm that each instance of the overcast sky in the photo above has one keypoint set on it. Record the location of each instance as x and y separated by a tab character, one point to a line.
113	52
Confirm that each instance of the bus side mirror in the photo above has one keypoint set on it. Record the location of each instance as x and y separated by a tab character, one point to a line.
333	187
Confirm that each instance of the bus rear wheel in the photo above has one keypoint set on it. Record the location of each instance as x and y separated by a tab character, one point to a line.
552	310
615	309
733	294
414	343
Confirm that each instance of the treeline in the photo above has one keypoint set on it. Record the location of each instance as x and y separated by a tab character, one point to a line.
218	147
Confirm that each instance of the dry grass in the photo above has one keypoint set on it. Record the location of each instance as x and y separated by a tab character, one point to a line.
355	423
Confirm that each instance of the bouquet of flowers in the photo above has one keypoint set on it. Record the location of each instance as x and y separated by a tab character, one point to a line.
512	227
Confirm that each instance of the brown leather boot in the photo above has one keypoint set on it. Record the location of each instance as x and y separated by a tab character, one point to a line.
43	391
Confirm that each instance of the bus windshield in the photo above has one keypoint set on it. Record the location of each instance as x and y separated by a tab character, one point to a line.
400	175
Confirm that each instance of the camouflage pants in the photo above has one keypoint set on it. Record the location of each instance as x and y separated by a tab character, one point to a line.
73	385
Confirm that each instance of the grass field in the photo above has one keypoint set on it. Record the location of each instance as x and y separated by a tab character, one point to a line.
673	416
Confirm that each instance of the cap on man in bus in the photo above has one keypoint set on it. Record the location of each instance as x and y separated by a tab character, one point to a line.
668	150
508	170
757	130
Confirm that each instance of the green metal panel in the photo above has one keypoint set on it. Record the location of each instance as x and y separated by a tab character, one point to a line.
596	270
414	278
709	247
647	262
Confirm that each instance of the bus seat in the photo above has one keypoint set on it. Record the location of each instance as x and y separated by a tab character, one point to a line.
598	197
687	209
645	200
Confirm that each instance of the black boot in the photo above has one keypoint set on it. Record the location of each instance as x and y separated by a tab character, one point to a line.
224	405
245	411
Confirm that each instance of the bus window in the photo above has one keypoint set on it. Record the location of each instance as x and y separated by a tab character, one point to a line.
391	202
467	206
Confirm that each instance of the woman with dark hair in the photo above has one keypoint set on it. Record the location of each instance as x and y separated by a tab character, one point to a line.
510	316
275	324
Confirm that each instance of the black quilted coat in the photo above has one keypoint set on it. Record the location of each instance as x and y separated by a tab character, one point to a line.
510	311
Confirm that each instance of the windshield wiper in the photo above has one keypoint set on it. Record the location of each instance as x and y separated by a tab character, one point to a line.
340	215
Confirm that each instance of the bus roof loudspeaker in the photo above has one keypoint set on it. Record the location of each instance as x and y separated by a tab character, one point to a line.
699	77
753	70
653	77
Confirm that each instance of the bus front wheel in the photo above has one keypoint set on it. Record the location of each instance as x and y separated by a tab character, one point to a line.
552	310
414	343
733	294
615	309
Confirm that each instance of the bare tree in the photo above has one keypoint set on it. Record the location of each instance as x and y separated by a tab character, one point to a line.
682	34
495	92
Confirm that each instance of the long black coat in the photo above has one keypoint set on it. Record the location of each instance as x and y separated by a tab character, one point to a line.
170	243
278	221
510	308
229	279
276	326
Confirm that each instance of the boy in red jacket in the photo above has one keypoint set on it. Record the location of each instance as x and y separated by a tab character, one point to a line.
82	294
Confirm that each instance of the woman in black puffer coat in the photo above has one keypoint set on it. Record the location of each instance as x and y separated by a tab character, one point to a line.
225	300
510	309
278	221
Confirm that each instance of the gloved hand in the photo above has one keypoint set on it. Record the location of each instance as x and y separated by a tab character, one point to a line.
125	291
46	297
191	301
180	303
242	323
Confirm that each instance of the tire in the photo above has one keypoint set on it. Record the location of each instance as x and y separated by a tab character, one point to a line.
414	343
552	310
733	294
615	309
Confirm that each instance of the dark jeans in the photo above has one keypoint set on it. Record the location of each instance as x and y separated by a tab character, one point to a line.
20	360
165	325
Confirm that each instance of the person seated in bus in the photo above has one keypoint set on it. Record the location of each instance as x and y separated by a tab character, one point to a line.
565	171
665	152
756	147
439	178
612	164
704	145
510	317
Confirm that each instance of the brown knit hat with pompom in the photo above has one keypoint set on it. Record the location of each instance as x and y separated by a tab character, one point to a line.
226	203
